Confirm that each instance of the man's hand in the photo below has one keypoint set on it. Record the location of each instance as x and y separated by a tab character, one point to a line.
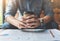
32	21
18	23
22	24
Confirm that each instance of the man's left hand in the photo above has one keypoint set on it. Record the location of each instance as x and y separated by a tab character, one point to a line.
32	21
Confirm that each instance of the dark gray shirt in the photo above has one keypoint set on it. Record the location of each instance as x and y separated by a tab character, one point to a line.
29	5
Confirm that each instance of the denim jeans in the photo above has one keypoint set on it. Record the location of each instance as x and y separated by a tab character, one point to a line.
6	25
51	25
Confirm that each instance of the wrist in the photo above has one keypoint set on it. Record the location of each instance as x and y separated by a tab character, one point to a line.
42	23
41	20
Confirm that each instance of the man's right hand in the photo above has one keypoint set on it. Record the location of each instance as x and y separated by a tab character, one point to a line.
18	23
22	24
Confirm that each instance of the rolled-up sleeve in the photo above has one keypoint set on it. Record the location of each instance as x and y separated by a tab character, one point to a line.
11	8
48	10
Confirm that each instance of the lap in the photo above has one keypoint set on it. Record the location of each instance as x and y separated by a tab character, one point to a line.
51	25
7	25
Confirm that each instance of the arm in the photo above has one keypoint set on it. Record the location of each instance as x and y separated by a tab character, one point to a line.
10	13
47	11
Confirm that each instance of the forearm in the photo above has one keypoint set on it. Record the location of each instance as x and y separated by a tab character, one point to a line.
12	21
48	11
46	19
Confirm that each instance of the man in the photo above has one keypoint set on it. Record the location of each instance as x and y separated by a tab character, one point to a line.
35	6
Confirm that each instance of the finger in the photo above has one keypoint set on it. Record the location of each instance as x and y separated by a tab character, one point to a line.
23	24
30	24
23	18
20	26
31	16
33	25
31	20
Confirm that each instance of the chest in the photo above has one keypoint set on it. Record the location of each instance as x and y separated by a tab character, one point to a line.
32	4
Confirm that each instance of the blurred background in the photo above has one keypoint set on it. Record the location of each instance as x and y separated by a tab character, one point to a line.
55	5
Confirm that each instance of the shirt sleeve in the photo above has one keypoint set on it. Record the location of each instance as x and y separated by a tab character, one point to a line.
48	10
11	8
